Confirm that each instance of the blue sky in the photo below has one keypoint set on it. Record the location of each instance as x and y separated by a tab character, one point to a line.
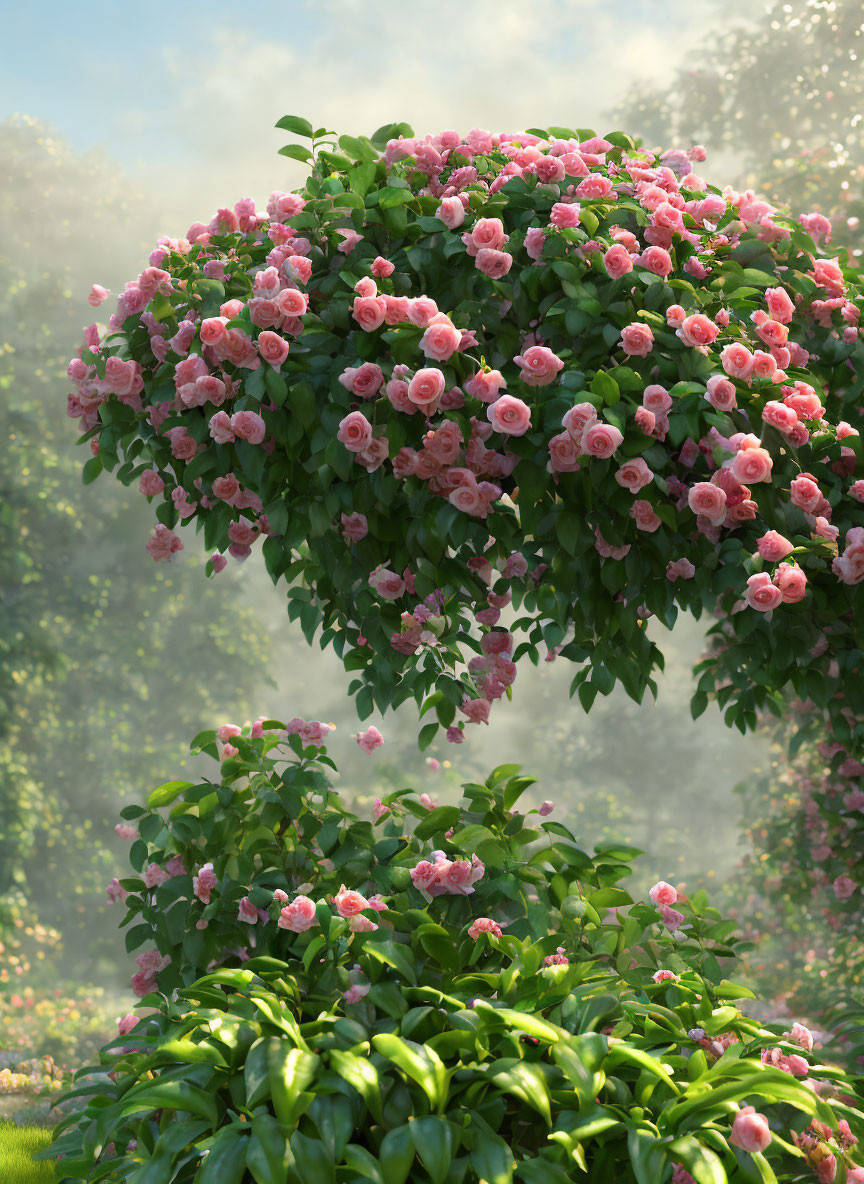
184	95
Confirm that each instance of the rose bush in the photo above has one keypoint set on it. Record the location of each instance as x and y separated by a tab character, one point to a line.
441	993
545	373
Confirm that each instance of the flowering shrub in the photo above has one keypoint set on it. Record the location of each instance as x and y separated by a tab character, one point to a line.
443	992
544	370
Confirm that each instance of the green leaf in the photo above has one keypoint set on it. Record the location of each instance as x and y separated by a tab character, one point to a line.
525	1081
433	1142
169	1095
225	1162
265	1155
606	387
703	1164
358	148
392	954
313	1163
363	1076
296	124
439	820
491	1158
396	1155
166	793
421	1064
290	1071
296	152
391	131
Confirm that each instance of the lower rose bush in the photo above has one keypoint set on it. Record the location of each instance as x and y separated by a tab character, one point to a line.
446	993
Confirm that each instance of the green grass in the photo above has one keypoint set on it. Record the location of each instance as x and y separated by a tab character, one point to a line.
17	1146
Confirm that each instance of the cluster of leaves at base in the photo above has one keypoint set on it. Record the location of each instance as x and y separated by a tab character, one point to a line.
465	1060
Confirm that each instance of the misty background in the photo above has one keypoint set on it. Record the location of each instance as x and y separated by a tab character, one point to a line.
130	123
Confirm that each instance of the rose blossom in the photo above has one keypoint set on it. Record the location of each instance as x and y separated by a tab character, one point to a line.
451	212
485	385
737	361
349	903
426	387
791	581
773	546
637	340
299	915
750	1131
484	925
355	432
600	440
248	425
698	330
751	465
805	494
510	416
441	339
364	380
708	501
663	893
370	739
272	348
617	261
762	594
539	365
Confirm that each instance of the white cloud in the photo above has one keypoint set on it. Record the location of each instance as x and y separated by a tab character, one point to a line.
355	65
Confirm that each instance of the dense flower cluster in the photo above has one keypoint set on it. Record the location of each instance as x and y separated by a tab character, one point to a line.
372	376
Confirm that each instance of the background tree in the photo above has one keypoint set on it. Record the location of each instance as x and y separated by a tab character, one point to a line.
778	101
106	660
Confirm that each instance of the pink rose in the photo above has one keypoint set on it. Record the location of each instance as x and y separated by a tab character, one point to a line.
370	739
698	330
773	546
510	416
387	583
539	365
643	512
600	440
484	925
493	264
637	339
656	260
657	399
220	428
707	501
204	883
272	348
780	305
212	330
485	385
364	380
617	261
681	569
441	339
151	484
563	453
163	543
247	912
721	393
488	233
578	418
355	432
98	295
368	312
762	594
675	315
805	494
354	527
737	361
751	465
248	425
750	1131
634	475
426	387
844	887
564	215
299	915
349	903
791	581
451	212
663	893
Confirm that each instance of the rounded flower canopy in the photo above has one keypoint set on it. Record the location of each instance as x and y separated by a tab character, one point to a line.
474	395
